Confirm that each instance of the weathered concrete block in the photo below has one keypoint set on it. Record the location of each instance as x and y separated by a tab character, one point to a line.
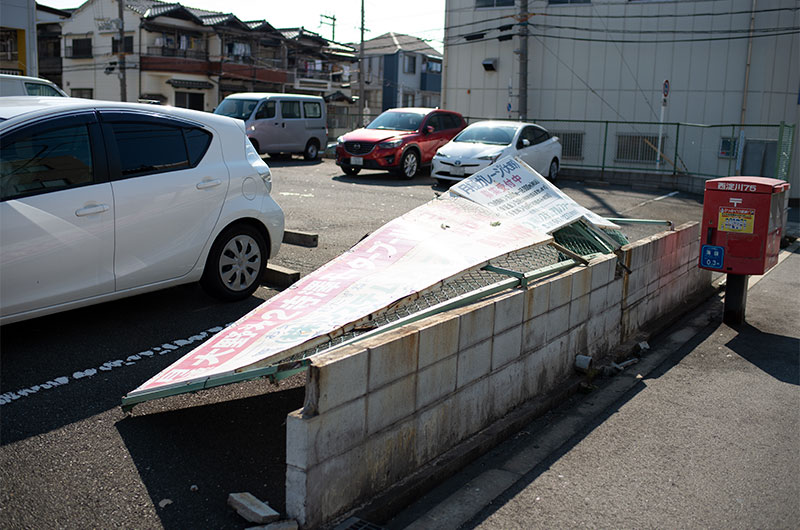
315	439
581	282
598	300
557	322
391	454
535	373
474	363
635	297
537	300
603	270
473	407
638	254
509	310
560	291
596	328
579	339
506	347
390	403
437	430
477	324
341	376
436	381
438	339
578	311
507	389
251	508
394	358
615	291
534	333
328	489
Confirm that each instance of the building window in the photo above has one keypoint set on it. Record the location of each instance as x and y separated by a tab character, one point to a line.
494	3
128	45
571	145
728	147
568	2
81	48
637	147
408	99
81	93
189	100
410	64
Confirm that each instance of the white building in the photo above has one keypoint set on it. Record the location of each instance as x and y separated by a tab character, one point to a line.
727	62
18	37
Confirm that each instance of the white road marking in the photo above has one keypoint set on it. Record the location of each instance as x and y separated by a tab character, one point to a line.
130	360
672	194
292	194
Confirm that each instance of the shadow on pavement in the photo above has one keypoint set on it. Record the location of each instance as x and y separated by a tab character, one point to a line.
780	360
527	437
147	321
383	178
191	459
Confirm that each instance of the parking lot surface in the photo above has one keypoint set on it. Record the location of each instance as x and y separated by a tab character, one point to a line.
69	456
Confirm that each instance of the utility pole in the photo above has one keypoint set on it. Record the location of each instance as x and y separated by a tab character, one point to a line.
332	24
361	70
123	81
523	60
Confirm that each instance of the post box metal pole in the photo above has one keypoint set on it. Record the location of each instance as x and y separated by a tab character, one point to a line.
735	299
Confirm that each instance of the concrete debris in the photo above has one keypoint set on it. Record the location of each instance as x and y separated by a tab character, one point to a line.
252	509
286	524
616	368
193	487
164	502
644	346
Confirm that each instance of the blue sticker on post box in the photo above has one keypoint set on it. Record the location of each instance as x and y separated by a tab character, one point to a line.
712	257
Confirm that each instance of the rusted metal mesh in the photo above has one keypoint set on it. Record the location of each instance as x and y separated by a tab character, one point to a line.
526	261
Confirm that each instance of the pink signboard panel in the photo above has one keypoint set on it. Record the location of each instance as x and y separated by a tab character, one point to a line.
434	242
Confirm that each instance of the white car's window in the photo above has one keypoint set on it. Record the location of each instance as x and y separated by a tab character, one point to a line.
146	148
48	158
40	89
486	135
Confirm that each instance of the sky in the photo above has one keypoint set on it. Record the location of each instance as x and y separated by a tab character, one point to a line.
420	18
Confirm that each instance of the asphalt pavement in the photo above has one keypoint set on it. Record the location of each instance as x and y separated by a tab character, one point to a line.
703	432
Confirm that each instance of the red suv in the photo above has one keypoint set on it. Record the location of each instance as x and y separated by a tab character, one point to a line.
399	140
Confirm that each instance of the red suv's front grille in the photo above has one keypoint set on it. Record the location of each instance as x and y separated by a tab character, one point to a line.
358	148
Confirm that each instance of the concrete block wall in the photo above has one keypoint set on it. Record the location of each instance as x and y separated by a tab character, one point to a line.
377	411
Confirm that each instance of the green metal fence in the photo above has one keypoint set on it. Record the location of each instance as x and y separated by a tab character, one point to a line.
675	148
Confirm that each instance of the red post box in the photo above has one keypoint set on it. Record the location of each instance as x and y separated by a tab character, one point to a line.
744	219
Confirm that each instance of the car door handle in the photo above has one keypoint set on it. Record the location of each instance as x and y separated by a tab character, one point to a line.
91	210
208	184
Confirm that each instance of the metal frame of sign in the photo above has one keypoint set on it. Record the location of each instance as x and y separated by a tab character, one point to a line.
469	235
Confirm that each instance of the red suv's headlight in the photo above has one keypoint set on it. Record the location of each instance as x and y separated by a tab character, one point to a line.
391	144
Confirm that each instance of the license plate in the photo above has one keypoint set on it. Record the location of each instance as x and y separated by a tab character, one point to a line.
457	171
356	161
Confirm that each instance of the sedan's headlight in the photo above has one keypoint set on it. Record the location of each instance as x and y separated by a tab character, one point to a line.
391	144
493	157
439	154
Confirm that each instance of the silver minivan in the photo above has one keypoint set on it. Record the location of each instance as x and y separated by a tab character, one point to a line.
280	123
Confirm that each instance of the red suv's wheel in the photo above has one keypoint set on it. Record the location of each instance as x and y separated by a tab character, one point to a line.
409	164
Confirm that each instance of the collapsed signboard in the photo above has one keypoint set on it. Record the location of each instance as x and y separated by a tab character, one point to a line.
435	242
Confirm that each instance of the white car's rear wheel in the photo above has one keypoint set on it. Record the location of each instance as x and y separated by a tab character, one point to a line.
552	175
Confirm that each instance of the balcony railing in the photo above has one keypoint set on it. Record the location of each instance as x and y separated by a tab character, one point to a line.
166	51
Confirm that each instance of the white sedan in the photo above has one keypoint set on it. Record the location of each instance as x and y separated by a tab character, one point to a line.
102	200
483	143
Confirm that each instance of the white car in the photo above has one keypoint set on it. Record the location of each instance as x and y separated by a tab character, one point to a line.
21	85
101	200
483	143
